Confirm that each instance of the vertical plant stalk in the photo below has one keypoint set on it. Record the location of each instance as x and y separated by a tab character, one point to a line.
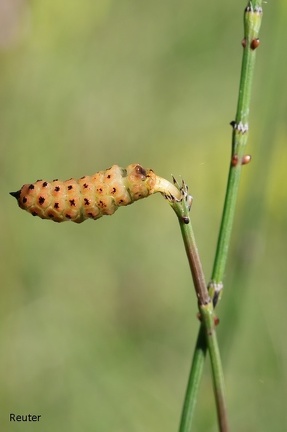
206	310
252	23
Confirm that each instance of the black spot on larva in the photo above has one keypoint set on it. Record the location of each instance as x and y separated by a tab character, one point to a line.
41	200
85	185
57	188
50	215
121	201
34	213
70	187
83	177
56	205
99	190
38	180
24	200
113	190
55	180
86	201
31	187
140	170
90	215
68	216
109	176
45	184
72	202
101	204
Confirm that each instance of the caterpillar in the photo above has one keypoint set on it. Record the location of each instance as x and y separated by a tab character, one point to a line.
91	196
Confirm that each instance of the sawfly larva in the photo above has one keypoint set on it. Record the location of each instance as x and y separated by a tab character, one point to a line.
91	196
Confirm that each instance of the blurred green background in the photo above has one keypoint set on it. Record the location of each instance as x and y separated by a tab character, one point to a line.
98	320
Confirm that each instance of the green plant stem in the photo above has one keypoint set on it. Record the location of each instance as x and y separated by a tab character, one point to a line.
252	22
193	382
208	319
194	262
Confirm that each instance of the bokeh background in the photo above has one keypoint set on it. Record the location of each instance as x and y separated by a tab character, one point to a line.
98	320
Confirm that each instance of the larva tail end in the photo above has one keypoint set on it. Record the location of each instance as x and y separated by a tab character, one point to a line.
16	194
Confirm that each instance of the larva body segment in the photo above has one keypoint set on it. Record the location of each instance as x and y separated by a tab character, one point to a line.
90	196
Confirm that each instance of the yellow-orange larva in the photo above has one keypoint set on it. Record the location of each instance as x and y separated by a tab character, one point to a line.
91	196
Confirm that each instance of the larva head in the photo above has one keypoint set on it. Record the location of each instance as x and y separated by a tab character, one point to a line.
145	182
139	181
